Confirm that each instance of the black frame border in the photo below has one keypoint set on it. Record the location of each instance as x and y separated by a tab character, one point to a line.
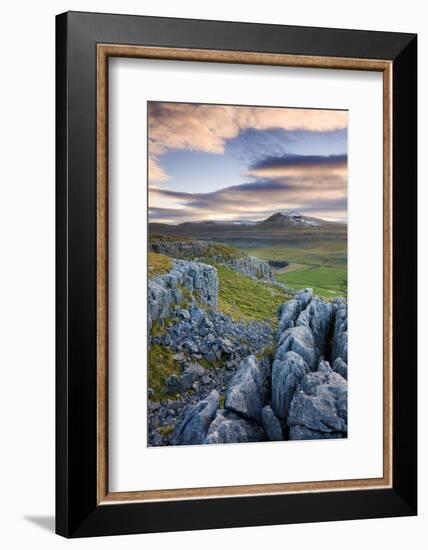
77	512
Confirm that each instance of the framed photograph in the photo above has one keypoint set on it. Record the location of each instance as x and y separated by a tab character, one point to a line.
236	274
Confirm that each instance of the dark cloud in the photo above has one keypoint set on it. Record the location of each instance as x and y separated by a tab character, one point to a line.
254	200
300	161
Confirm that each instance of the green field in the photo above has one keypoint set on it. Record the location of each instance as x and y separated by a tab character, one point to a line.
327	252
246	299
319	264
328	282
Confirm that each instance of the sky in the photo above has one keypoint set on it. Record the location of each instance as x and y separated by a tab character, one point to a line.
223	162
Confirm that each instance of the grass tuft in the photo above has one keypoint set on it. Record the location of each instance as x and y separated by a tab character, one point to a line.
166	430
161	364
216	250
267	351
158	264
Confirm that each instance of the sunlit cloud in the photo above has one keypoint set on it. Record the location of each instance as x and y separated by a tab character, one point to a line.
254	200
156	172
300	166
176	126
271	179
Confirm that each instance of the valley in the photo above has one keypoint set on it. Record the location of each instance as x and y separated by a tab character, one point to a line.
315	250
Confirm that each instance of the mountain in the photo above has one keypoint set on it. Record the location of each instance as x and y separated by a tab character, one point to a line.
290	218
280	220
282	227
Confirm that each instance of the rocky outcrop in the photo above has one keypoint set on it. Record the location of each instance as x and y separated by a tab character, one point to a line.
286	376
193	429
292	393
317	317
300	340
251	266
247	392
319	407
288	313
214	253
211	335
309	398
204	346
166	290
182	249
229	427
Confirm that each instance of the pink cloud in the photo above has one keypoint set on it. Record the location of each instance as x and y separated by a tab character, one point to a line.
174	126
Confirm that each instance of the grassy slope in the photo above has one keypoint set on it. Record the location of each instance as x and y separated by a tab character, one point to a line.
245	299
241	297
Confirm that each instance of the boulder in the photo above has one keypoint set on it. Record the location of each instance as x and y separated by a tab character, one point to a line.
286	375
300	340
271	424
317	316
247	391
193	429
320	404
228	427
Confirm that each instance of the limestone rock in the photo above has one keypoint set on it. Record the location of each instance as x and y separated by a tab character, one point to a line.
286	375
317	316
190	249
341	367
320	405
271	424
300	340
304	296
228	427
248	389
193	429
340	336
288	314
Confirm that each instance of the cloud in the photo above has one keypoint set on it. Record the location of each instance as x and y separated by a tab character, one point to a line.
202	127
156	172
300	166
323	196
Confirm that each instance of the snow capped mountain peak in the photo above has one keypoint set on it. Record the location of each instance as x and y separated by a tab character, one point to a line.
286	218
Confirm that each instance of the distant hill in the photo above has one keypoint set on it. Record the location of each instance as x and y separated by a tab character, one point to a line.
283	226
